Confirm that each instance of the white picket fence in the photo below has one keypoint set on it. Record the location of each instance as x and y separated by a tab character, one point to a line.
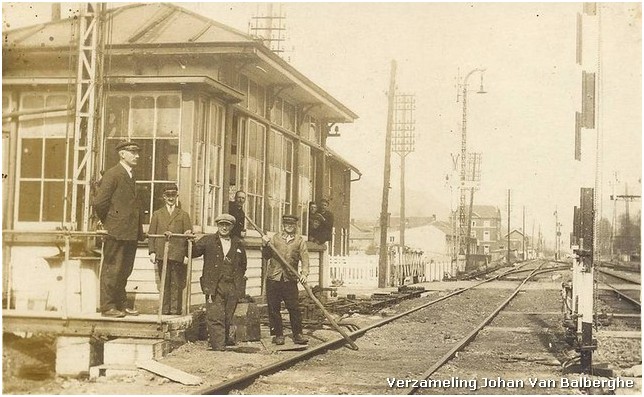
362	270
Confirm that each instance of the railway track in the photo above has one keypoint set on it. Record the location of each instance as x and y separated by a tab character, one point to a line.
390	348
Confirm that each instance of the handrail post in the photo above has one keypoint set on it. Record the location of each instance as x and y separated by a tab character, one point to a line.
66	275
164	275
188	290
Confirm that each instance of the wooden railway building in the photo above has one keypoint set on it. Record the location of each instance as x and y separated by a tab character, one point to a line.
214	111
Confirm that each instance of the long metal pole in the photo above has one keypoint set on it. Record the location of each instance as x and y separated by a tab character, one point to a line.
469	216
523	237
508	226
402	201
384	211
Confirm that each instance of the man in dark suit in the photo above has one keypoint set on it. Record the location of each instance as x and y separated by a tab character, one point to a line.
327	220
116	204
224	267
170	218
236	209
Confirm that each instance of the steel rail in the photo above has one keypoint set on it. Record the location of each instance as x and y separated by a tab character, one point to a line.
247	378
623	295
618	276
468	338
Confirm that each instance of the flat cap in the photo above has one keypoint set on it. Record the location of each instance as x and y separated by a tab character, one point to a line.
128	145
226	218
290	218
170	188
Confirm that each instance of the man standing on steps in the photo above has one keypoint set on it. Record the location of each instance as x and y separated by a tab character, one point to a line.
281	284
117	206
170	218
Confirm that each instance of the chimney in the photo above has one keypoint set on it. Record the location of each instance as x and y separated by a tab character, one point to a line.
434	217
55	12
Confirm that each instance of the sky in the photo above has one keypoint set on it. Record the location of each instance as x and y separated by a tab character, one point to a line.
523	126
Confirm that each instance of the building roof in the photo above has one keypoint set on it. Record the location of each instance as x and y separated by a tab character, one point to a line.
167	26
485	211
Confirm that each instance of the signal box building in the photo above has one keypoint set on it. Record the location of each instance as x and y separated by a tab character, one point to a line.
213	110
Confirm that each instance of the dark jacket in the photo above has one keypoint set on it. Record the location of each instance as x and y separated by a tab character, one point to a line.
214	267
178	223
240	219
327	225
117	206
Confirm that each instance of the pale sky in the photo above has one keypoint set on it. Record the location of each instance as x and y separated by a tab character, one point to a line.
523	126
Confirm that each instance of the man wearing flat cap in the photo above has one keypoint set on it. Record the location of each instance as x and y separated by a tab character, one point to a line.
117	206
224	267
173	219
281	284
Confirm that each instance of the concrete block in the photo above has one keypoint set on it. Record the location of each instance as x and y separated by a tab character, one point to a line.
128	351
246	322
112	370
76	354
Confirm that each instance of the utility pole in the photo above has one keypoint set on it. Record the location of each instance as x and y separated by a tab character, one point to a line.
557	234
524	237
475	159
508	226
384	211
403	143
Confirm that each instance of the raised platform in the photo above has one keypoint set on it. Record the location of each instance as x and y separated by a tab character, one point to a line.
93	324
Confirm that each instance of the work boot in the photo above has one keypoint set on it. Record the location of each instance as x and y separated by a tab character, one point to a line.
299	339
278	340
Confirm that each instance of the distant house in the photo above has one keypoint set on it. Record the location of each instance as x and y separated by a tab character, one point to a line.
517	242
486	228
360	236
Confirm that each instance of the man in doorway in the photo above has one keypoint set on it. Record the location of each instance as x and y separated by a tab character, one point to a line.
224	267
236	209
327	222
170	218
281	284
116	205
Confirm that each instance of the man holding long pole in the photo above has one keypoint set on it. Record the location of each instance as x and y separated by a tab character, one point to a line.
281	282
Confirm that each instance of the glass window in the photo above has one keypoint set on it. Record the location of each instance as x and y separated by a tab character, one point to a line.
305	185
43	152
155	125
280	171
252	169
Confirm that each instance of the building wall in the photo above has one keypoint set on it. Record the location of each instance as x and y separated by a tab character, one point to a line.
191	136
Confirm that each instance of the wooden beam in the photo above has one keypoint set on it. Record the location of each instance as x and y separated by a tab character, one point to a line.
173	374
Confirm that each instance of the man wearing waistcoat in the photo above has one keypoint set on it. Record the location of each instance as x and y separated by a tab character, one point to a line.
117	206
281	284
173	219
224	267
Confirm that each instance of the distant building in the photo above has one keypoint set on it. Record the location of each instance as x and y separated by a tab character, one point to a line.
360	237
517	243
486	228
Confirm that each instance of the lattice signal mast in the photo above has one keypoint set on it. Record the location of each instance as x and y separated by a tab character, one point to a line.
403	142
88	77
271	28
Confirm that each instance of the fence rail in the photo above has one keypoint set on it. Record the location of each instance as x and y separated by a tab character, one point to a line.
410	267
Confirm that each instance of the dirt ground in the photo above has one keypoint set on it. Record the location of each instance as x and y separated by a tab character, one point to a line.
515	345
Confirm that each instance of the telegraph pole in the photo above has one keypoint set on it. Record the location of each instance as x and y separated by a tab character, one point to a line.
403	142
384	211
524	237
508	226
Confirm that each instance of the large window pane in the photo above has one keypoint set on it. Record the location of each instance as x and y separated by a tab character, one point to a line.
31	158
166	160
29	206
52	205
143	169
168	115
117	116
142	116
55	158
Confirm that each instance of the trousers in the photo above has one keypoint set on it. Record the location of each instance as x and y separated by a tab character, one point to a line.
118	262
219	314
175	282
286	291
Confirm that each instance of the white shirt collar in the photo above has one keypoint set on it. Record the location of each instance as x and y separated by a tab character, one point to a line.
127	168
